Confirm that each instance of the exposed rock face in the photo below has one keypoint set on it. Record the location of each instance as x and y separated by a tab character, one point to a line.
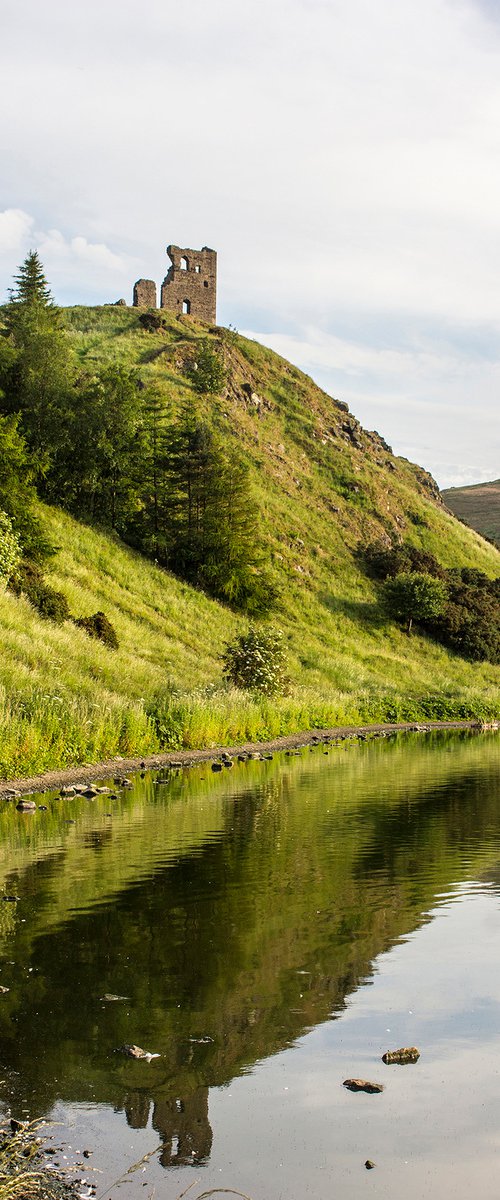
144	294
191	283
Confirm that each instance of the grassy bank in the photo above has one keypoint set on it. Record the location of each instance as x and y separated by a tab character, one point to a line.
66	699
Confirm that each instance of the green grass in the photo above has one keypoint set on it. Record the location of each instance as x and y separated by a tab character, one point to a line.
65	698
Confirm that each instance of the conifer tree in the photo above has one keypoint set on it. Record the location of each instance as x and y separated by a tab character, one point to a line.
31	284
39	378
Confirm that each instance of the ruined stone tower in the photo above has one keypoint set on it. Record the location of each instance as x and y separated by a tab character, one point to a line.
189	287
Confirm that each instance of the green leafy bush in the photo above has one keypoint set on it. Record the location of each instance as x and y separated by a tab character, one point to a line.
98	626
28	581
414	596
10	549
256	661
207	371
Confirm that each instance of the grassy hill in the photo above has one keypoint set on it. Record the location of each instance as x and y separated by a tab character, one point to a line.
324	486
478	505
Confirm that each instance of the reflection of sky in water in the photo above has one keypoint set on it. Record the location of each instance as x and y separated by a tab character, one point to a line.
288	1128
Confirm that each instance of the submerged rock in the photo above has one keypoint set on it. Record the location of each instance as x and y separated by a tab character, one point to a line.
137	1052
362	1085
26	806
407	1054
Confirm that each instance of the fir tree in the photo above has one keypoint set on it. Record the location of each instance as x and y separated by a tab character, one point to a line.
37	381
31	284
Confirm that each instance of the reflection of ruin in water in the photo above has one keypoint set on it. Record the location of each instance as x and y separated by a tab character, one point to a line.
182	1124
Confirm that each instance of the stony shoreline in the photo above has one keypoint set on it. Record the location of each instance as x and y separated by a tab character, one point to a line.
90	772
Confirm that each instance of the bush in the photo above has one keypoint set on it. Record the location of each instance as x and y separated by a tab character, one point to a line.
98	626
256	661
385	561
28	581
207	372
414	596
151	321
10	549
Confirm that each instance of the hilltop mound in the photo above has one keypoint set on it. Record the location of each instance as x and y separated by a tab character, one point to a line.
478	505
325	487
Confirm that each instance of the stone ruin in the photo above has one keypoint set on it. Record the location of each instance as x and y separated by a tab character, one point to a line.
189	287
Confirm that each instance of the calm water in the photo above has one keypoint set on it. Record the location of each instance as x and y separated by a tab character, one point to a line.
272	930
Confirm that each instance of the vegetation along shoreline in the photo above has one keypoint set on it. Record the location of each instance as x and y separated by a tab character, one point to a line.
91	772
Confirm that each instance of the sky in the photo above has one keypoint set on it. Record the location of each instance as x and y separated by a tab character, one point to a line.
342	157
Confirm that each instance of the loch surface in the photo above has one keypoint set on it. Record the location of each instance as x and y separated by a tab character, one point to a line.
269	931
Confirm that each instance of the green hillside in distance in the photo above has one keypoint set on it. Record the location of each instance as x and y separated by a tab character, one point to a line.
478	505
324	486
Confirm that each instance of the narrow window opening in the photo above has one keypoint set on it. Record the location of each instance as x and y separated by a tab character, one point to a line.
186	306
184	264
205	284
197	268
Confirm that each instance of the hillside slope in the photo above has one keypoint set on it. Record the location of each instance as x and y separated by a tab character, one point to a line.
324	486
478	505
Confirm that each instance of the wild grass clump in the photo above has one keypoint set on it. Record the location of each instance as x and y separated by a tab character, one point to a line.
42	730
20	1176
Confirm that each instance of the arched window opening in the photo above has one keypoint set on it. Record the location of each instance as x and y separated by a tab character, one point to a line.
186	307
184	264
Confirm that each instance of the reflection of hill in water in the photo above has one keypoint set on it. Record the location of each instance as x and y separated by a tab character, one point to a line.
234	914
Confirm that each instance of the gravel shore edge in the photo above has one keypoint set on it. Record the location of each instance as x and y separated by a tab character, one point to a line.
51	780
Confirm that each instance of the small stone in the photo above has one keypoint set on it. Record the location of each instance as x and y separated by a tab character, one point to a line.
363	1085
369	1164
26	806
407	1054
136	1052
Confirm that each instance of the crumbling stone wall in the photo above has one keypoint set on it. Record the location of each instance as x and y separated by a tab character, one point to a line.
190	285
144	294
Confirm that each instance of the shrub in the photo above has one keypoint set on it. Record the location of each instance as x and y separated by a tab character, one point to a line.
98	626
151	321
28	581
386	561
256	661
414	596
207	371
10	549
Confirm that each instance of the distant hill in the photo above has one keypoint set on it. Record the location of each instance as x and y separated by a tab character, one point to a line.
478	505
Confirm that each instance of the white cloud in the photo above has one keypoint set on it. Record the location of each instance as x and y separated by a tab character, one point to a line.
15	226
54	247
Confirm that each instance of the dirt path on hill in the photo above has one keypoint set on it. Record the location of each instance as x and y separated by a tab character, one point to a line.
91	772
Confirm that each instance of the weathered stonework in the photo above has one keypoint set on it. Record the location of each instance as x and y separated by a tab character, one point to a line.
144	294
190	285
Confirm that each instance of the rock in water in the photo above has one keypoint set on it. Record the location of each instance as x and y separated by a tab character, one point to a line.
362	1085
132	1051
407	1054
